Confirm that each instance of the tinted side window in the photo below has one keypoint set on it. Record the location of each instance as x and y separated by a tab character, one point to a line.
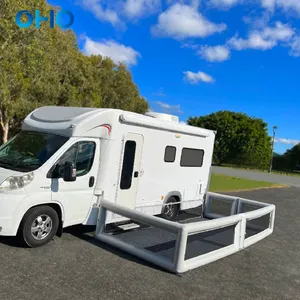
128	164
85	157
82	154
191	157
69	155
170	154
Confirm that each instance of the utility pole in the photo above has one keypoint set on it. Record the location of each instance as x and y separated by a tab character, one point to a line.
272	154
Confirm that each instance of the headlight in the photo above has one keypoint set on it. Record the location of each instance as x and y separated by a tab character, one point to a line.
16	182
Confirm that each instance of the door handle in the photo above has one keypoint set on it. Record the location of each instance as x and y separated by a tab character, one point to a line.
136	174
91	181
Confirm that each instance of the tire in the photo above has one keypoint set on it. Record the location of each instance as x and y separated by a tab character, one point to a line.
39	226
170	212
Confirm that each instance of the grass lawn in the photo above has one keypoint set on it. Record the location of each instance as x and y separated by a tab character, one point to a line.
222	183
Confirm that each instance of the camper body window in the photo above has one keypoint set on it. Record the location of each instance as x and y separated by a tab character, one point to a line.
191	157
170	154
128	164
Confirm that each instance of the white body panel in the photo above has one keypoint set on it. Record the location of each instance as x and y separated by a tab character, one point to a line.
156	179
76	197
160	179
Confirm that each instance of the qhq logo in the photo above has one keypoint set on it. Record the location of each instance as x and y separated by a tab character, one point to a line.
63	19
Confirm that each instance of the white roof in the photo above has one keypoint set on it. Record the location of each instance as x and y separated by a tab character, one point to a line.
67	121
61	114
149	122
77	121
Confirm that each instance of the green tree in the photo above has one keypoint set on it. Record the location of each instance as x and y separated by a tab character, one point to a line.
280	163
45	67
240	139
21	52
292	158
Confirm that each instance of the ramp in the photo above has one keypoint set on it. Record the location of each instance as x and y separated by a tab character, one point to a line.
229	224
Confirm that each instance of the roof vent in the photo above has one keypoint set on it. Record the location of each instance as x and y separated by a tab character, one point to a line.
164	117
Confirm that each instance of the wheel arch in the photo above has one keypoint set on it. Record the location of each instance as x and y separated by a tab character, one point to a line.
56	206
176	194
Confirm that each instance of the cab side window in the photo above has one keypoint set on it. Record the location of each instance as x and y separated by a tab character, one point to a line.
85	157
82	154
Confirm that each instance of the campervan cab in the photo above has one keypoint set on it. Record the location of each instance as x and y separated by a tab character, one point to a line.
65	160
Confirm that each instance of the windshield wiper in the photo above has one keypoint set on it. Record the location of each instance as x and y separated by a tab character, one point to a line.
6	163
28	165
18	166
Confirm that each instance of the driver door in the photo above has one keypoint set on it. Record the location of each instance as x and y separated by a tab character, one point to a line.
77	197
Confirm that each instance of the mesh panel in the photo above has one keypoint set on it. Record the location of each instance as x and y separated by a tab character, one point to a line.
206	242
245	207
156	240
221	207
257	225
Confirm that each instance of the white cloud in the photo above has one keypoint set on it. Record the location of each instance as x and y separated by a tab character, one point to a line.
286	5
112	11
269	4
264	39
102	14
182	21
224	4
194	78
193	3
190	46
138	8
281	32
169	108
215	54
257	22
160	93
108	48
295	47
287	141
254	41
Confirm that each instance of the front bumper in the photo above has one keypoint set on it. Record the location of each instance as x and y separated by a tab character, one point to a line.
13	206
6	228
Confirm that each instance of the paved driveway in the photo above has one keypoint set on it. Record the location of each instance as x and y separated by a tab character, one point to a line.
77	267
260	176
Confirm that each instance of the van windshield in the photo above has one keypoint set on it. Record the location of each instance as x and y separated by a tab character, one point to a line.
27	151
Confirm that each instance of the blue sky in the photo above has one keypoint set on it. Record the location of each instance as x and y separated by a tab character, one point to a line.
192	58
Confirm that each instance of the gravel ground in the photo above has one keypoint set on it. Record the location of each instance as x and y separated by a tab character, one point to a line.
78	267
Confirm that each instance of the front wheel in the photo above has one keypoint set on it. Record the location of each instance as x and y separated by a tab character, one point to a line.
39	226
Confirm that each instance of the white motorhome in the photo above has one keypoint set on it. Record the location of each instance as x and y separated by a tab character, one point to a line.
65	160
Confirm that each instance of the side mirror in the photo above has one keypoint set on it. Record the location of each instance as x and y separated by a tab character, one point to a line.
69	172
